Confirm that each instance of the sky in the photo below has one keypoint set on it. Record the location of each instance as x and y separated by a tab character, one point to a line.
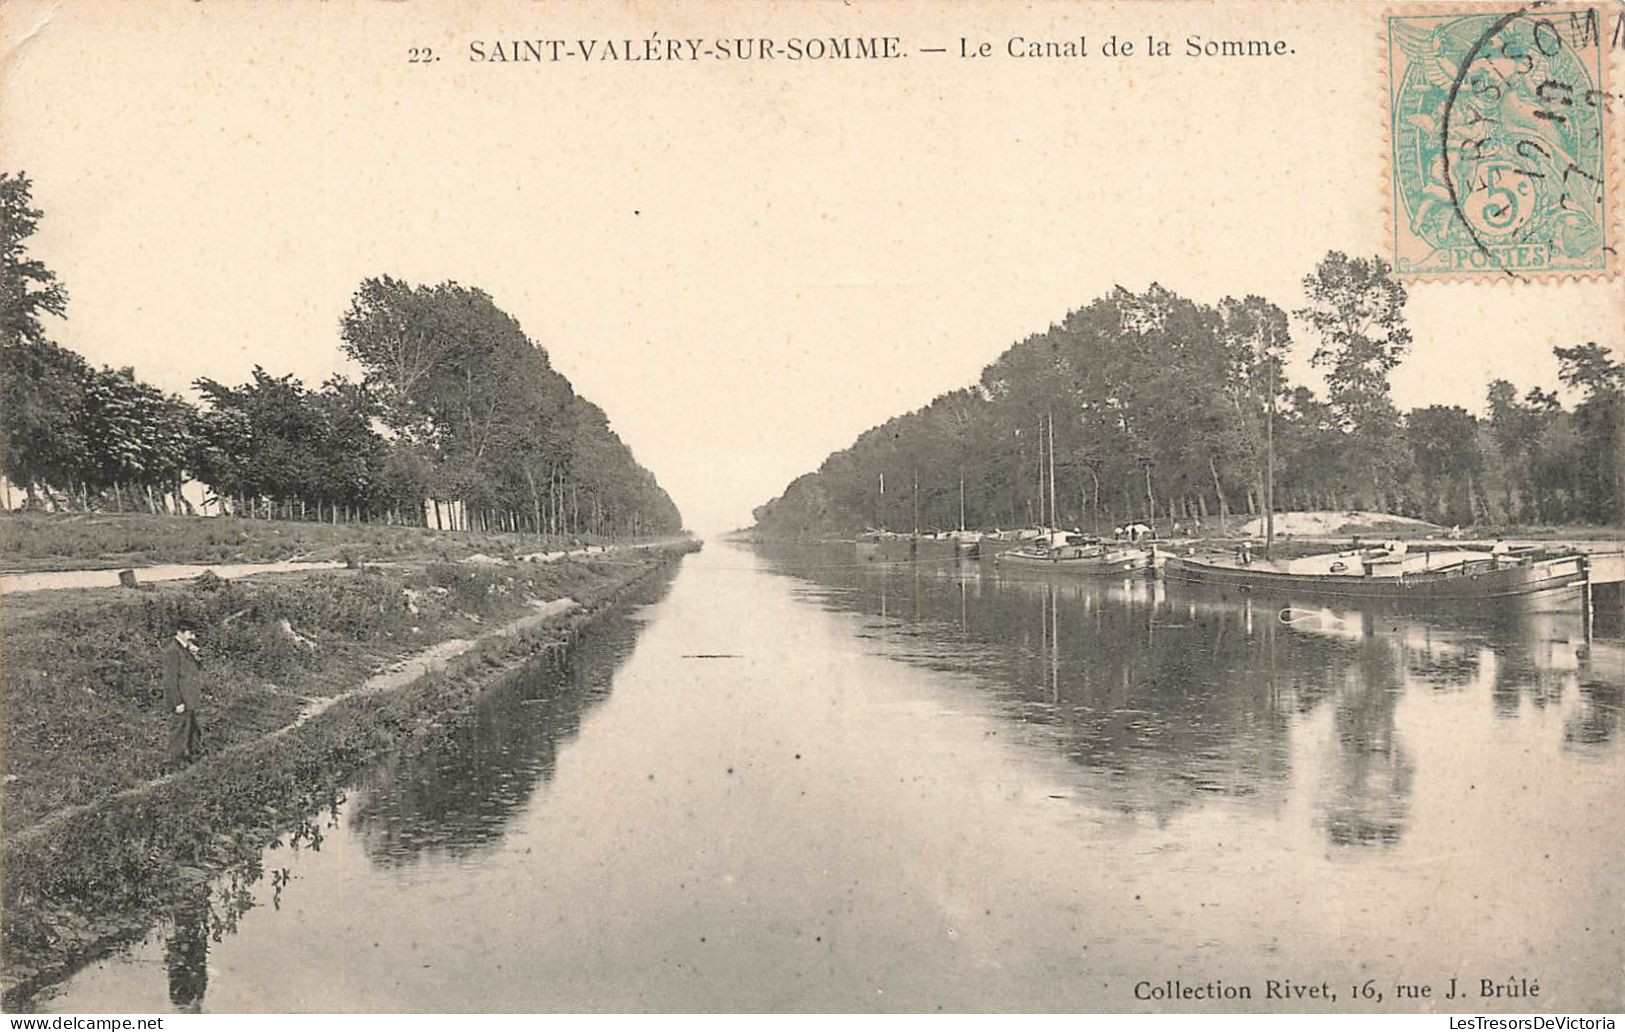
746	264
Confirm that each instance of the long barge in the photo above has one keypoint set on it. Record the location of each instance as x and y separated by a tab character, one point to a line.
1070	553
1451	576
910	548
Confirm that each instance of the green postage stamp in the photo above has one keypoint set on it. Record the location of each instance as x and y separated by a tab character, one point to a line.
1498	135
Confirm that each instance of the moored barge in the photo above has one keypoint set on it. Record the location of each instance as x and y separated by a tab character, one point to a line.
1455	575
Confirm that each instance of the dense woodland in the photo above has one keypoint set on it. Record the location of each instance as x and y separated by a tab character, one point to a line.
1162	408
455	404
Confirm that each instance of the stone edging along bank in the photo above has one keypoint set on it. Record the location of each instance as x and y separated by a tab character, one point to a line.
83	882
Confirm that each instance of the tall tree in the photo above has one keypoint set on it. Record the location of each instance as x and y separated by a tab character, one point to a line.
1444	444
42	404
137	438
41	384
1357	309
1256	336
1600	424
27	288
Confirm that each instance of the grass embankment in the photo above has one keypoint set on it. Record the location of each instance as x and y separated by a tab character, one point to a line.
55	541
97	844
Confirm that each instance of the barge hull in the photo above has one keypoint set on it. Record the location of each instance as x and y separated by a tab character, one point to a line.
1507	582
1113	566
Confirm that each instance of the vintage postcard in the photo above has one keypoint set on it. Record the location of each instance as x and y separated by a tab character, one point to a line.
899	507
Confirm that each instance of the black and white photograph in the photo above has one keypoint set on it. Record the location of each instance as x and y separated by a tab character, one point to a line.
722	507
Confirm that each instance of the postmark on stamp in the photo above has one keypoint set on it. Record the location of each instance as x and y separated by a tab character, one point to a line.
1498	136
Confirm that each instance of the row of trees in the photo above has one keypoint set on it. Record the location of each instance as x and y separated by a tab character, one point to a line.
1162	408
455	404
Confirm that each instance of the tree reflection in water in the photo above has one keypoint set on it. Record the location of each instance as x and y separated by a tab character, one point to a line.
1369	794
457	795
1169	695
1599	717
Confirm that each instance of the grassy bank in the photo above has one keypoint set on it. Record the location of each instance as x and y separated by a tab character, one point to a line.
97	845
59	541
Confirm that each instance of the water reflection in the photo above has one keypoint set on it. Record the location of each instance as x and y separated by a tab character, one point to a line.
1601	700
451	798
456	796
1368	799
1168	695
186	953
859	790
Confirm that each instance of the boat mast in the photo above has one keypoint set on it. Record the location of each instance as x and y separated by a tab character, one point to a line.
1041	474
916	501
1269	465
880	505
1052	467
961	500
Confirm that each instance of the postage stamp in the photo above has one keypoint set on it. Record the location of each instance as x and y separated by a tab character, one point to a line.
1498	135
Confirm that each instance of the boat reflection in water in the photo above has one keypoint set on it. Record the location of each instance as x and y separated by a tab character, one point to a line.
1169	694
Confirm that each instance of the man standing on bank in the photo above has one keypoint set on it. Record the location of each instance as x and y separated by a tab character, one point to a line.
183	675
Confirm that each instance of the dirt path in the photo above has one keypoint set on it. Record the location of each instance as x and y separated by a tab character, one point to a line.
58	580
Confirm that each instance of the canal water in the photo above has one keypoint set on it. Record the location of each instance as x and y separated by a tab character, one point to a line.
789	783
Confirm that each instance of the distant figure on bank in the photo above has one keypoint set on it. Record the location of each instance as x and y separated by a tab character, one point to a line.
183	675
